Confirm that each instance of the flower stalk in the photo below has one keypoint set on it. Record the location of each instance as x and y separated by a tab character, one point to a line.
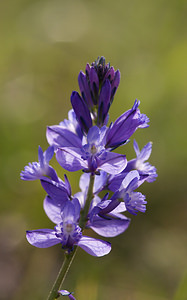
90	195
68	259
85	141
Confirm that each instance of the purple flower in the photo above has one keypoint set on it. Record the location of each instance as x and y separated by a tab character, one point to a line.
134	201
146	170
98	87
104	216
67	134
104	103
58	193
85	116
92	156
66	293
67	231
82	112
38	170
84	142
86	90
122	129
98	72
71	124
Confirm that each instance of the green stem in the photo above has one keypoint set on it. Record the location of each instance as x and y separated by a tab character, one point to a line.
70	256
84	213
62	274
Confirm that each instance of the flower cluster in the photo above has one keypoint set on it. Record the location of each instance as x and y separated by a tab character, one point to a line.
86	141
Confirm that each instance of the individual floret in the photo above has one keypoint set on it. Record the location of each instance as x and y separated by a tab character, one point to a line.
37	170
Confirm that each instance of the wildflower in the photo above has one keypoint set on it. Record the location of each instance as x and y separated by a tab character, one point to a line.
98	87
92	155
58	193
71	124
86	142
106	220
98	73
145	169
63	136
38	170
134	201
67	232
66	293
104	215
122	129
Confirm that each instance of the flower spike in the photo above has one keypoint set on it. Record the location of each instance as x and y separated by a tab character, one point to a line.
108	185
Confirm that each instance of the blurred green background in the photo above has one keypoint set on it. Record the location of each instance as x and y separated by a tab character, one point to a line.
43	46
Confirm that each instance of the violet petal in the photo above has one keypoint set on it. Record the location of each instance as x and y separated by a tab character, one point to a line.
42	238
60	137
113	164
55	190
70	159
84	88
53	209
82	112
104	102
94	247
109	227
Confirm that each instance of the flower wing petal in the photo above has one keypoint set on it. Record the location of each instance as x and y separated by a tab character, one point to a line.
60	137
114	163
109	227
42	238
53	209
82	112
70	159
55	190
129	179
94	247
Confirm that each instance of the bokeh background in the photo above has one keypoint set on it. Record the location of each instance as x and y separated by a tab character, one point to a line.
43	46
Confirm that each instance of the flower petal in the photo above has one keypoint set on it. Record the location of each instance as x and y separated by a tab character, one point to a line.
55	190
125	126
68	213
66	293
84	88
114	182
94	84
77	207
104	102
93	135
145	152
94	247
113	164
136	148
84	181
120	208
42	238
82	112
81	198
109	227
115	84
60	137
53	209
70	159
129	178
48	154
